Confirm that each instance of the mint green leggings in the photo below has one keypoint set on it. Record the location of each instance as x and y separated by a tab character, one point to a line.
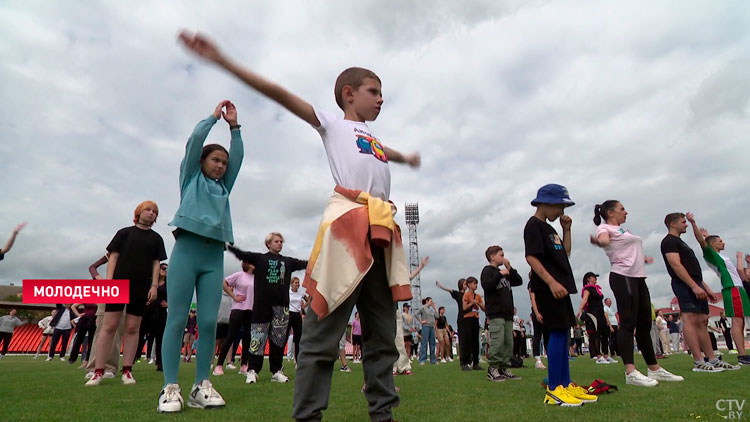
196	264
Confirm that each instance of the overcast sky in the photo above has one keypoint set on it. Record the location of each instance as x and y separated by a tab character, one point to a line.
647	103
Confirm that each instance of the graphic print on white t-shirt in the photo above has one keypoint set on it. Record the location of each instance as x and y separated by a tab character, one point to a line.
357	158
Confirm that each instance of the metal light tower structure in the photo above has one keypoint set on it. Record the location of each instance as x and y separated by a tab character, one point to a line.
412	219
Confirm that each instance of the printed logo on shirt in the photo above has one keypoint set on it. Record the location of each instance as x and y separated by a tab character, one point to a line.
556	243
370	145
621	230
274	272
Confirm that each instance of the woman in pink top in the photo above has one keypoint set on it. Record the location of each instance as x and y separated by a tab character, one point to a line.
240	287
357	338
627	278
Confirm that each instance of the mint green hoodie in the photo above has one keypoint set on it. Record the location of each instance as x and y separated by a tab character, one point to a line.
204	202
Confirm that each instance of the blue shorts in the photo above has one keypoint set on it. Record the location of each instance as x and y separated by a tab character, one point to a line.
687	300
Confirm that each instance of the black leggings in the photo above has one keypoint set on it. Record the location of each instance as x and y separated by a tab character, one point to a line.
598	330
537	338
86	325
237	318
58	335
5	339
634	307
469	331
295	325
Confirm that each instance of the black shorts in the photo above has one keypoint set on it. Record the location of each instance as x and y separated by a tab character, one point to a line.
558	315
356	339
222	329
137	297
687	300
407	339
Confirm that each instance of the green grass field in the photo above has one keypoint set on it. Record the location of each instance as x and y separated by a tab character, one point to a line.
35	390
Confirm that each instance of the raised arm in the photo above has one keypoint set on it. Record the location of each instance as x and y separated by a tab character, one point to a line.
566	222
700	236
204	47
191	163
12	239
236	147
437	283
419	267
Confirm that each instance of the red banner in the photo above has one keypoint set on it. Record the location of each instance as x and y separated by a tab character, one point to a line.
76	291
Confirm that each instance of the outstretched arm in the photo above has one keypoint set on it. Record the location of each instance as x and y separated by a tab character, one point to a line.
700	234
12	239
412	159
419	267
202	46
437	283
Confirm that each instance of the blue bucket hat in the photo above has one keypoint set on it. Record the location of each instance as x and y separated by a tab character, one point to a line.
553	194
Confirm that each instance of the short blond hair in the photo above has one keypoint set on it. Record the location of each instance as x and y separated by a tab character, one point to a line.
270	237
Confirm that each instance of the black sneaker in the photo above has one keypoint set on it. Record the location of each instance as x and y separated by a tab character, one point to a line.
743	360
494	375
465	368
509	375
477	368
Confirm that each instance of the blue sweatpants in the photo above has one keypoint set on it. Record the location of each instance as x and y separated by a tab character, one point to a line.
558	369
196	264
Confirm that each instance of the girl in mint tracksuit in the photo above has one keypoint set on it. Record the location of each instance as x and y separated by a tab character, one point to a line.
204	225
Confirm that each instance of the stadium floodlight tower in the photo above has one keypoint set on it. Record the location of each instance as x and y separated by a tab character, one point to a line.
412	219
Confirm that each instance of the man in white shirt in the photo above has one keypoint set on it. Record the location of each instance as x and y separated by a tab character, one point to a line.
612	317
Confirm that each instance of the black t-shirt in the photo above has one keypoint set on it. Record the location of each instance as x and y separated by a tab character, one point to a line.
594	304
138	250
542	241
273	274
442	322
459	298
2	255
673	243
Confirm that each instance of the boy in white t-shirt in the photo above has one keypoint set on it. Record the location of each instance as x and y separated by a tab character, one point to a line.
359	163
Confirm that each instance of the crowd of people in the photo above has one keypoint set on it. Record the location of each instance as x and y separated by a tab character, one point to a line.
358	262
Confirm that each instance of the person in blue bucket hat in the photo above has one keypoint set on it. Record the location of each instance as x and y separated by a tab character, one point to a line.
552	284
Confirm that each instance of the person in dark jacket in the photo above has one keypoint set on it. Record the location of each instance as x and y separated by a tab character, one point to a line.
499	307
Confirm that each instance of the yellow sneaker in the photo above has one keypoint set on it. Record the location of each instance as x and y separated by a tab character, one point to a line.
561	397
581	394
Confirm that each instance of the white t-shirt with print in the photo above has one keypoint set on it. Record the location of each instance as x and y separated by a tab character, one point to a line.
357	159
625	251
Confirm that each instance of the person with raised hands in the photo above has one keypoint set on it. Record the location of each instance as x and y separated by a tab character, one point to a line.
203	225
736	305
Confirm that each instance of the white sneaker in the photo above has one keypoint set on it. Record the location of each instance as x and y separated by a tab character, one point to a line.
724	365
243	370
204	396
662	374
733	352
96	379
170	399
252	377
450	359
539	365
36	356
109	374
48	359
601	360
150	361
62	359
89	375
231	366
610	360
279	377
218	371
443	361
127	378
637	378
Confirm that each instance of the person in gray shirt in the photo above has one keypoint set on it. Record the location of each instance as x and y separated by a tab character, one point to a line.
8	323
427	315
